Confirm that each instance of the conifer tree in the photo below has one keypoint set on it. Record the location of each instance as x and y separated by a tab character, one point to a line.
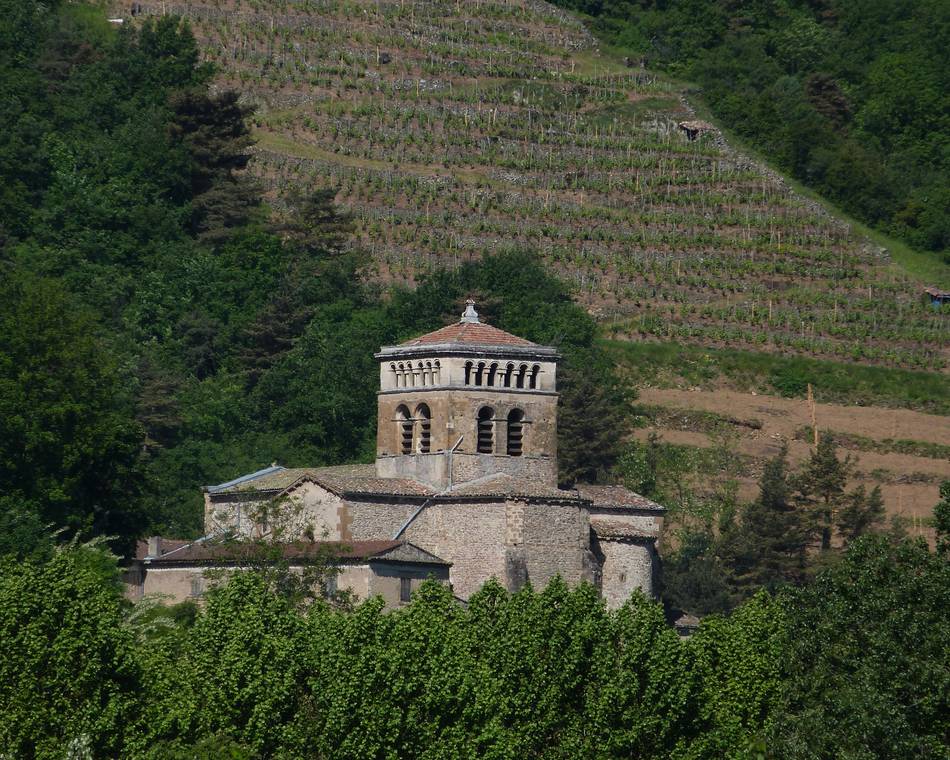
216	133
942	518
861	512
820	488
768	548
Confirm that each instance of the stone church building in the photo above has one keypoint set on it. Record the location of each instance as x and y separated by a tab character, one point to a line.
463	489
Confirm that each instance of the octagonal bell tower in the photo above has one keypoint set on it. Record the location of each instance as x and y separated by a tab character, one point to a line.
467	402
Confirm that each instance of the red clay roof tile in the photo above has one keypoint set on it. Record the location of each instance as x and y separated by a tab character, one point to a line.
470	333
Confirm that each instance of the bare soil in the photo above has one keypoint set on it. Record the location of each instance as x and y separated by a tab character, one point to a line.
910	484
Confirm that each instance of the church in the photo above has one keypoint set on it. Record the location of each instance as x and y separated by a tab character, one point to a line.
464	488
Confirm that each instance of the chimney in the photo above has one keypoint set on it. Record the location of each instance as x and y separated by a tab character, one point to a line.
155	546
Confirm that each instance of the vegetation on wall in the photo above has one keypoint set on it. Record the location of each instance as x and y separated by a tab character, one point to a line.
851	97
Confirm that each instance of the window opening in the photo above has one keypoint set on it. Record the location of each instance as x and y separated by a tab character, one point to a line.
437	377
515	432
509	370
425	428
478	373
405	589
492	371
533	383
485	430
404	425
468	373
522	371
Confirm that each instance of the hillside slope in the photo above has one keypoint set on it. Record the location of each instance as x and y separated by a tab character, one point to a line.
451	130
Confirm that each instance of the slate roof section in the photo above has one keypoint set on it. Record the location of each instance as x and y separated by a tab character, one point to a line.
617	497
606	528
506	486
343	479
361	480
469	333
177	552
234	484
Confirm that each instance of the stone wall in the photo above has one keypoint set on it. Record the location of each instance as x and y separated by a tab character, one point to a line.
180	583
628	565
470	536
454	415
377	520
557	542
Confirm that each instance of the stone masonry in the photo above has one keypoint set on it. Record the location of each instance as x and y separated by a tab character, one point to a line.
466	471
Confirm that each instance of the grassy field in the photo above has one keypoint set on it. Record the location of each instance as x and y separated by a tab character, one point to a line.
672	364
451	130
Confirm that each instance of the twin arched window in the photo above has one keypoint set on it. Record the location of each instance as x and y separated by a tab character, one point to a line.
406	429
485	432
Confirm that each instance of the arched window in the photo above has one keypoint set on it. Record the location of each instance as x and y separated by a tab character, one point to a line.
522	371
533	383
429	378
437	370
401	376
403	430
422	373
425	428
492	371
486	430
479	371
515	432
392	368
509	371
468	373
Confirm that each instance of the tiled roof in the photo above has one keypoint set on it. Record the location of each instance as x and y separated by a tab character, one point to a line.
469	333
343	479
184	552
617	497
509	486
606	528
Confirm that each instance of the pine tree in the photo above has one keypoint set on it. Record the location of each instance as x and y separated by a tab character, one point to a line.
861	512
942	519
315	225
820	488
215	131
591	423
767	548
274	331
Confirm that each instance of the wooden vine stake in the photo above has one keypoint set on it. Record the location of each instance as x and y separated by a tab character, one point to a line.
814	421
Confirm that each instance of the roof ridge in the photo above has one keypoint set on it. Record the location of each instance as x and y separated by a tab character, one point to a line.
245	478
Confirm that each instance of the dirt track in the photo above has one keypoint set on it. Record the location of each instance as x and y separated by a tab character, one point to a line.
899	475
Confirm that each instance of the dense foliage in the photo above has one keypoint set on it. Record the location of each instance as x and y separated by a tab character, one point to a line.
854	665
161	329
850	97
724	551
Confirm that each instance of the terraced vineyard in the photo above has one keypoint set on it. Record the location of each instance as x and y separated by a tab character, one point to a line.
453	129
